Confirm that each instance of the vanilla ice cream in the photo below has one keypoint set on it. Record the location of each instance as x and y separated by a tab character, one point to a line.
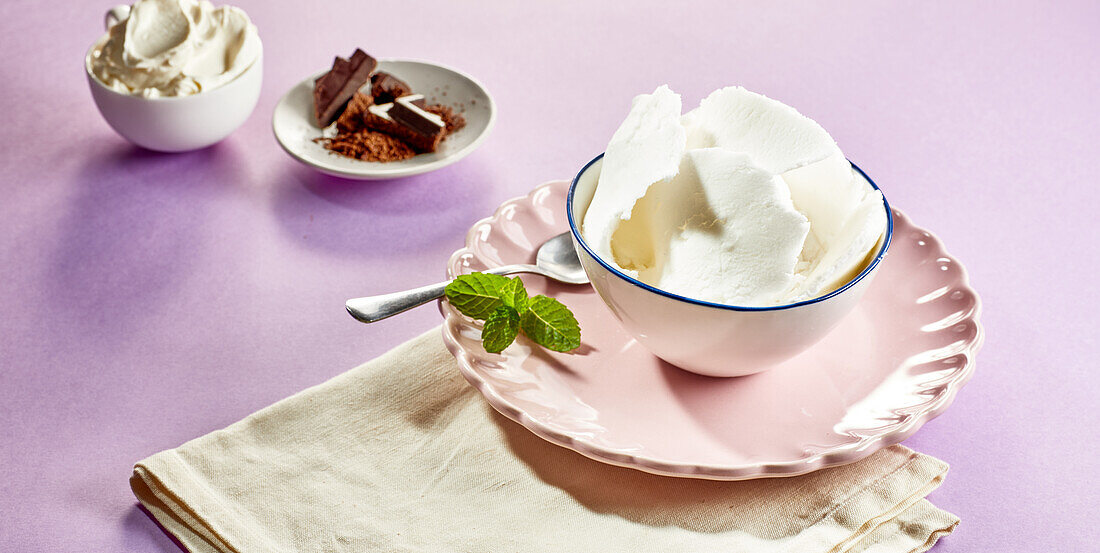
741	201
175	48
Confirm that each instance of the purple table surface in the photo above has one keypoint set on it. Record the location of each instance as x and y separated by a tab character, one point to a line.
151	298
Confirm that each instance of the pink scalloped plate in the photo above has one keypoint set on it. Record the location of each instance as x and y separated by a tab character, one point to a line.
894	363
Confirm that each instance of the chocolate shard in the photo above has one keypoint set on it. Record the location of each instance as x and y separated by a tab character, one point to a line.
406	120
352	119
409	111
377	118
332	90
386	88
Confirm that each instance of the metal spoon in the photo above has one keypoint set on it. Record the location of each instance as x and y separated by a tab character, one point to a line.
556	259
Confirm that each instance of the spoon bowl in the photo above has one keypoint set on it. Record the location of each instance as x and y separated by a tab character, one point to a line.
558	260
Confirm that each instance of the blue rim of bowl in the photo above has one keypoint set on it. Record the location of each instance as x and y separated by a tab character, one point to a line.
866	271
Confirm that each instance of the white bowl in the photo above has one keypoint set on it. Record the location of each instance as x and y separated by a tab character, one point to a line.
179	123
709	338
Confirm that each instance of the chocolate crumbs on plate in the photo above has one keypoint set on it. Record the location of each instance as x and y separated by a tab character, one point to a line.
367	145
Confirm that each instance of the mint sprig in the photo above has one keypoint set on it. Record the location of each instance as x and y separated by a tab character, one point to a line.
503	304
550	324
500	330
514	295
477	295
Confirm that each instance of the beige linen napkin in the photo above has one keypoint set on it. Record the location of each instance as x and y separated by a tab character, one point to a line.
400	454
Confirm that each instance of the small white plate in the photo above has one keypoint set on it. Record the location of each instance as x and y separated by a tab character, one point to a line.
295	131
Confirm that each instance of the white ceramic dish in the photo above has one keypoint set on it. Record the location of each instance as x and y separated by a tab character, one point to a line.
709	338
293	124
177	124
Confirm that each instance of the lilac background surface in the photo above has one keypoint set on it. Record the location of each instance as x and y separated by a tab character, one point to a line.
148	299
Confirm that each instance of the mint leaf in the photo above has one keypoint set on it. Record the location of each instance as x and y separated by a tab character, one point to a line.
476	295
514	295
504	306
550	324
500	329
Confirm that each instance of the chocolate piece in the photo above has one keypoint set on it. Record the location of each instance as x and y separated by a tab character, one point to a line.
386	88
352	119
377	118
408	112
406	120
332	90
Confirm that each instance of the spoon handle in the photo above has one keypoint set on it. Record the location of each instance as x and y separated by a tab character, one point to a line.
370	309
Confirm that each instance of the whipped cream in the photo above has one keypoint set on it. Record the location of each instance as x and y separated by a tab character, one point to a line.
175	48
741	201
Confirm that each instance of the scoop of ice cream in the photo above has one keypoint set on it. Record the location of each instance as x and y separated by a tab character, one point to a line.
175	48
720	214
774	135
741	201
847	220
646	148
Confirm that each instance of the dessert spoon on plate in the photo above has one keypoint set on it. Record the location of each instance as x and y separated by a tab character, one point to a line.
556	259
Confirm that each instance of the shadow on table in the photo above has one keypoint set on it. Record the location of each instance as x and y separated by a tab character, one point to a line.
140	521
384	217
693	504
130	229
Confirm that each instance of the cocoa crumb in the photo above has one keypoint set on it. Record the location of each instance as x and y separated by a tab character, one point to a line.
367	145
451	119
